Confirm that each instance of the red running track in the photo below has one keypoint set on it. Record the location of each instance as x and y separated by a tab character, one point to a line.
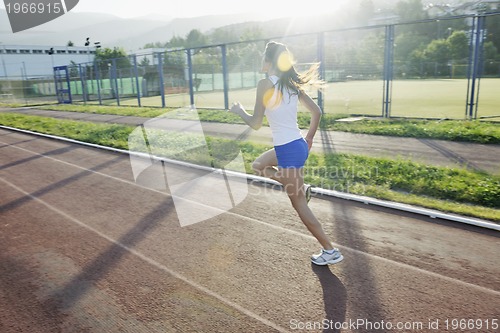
83	248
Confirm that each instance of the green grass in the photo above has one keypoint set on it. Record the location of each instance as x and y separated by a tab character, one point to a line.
447	189
103	134
343	171
109	110
424	98
452	130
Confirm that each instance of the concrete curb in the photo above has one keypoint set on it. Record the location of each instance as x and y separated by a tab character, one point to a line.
341	195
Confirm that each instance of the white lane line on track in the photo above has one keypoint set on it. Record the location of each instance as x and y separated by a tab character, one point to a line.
297	233
335	194
151	261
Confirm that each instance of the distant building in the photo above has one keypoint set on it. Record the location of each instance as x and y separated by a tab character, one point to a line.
33	61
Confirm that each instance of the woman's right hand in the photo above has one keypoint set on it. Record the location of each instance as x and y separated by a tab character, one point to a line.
309	142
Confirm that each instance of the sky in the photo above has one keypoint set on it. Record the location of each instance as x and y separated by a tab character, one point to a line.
194	8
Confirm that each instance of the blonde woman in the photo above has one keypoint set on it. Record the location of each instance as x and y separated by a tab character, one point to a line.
277	99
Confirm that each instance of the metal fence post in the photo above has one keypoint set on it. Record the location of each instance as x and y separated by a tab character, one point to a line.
475	60
136	74
98	79
321	59
83	80
162	81
114	82
190	76
224	76
388	70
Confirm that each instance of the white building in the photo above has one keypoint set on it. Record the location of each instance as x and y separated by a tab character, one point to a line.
33	61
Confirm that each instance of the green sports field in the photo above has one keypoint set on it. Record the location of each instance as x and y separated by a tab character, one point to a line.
410	98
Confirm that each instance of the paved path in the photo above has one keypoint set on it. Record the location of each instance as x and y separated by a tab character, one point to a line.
434	152
83	248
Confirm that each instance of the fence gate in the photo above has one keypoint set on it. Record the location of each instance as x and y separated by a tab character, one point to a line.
63	88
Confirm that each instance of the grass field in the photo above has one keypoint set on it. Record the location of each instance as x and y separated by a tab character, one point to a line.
410	98
484	132
453	190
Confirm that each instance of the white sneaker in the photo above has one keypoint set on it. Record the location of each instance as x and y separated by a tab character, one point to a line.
308	192
325	258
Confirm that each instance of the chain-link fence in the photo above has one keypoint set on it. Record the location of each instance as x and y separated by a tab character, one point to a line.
437	68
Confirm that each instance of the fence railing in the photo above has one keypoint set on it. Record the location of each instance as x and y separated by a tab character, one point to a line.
409	69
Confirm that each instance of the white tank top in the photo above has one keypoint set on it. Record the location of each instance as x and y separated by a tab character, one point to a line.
281	113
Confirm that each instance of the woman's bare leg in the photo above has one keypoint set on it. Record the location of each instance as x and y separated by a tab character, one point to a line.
265	165
293	181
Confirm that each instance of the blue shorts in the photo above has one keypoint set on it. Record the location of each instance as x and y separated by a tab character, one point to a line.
293	154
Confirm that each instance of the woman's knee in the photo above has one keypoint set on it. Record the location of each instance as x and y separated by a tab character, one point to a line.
297	199
258	167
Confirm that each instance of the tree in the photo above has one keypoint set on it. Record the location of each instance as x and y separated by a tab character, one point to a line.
176	42
253	33
436	57
493	30
490	55
437	51
406	43
366	11
458	45
156	45
73	70
195	38
223	35
144	62
490	51
104	57
411	10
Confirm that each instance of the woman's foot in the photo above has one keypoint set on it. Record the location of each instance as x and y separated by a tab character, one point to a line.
327	257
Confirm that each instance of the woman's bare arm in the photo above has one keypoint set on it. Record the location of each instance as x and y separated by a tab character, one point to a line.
316	113
254	120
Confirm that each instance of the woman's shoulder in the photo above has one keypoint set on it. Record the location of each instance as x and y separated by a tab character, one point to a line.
265	83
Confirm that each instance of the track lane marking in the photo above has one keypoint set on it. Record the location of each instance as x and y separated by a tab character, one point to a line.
297	233
149	260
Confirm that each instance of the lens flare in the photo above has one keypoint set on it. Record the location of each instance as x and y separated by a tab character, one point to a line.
285	61
272	98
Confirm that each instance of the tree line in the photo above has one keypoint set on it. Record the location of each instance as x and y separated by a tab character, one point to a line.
436	48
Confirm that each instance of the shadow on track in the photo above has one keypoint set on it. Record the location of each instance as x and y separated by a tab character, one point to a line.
334	297
77	288
55	186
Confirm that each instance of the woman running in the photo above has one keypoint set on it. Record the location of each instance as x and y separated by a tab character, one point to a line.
277	98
